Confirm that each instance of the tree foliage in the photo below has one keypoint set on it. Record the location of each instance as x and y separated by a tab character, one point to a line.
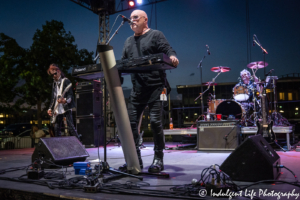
11	55
52	44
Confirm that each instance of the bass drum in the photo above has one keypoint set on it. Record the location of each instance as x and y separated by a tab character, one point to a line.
213	104
230	107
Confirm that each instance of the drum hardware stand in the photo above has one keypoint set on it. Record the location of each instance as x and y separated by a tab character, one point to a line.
255	117
277	117
209	84
200	66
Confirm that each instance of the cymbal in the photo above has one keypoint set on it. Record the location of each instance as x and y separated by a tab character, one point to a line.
220	69
210	83
257	65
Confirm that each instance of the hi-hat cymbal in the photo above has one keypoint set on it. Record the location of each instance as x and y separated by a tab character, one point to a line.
257	65
210	83
220	69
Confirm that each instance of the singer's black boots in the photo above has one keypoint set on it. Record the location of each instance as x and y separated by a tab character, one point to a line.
158	162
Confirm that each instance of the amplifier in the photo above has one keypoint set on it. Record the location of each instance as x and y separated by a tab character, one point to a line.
217	123
88	85
92	131
218	135
86	69
89	103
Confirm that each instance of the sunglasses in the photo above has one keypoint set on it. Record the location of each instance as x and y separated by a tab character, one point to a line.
54	74
135	17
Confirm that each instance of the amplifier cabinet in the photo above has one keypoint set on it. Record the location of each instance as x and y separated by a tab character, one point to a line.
218	135
89	103
91	130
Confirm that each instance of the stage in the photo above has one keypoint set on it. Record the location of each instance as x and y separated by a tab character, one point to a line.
182	165
246	131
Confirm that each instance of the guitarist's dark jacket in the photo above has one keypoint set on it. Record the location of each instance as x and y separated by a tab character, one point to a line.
68	96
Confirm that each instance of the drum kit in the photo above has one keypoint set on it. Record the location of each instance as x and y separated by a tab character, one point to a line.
245	104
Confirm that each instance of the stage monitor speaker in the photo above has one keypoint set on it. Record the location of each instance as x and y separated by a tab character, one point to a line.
217	135
89	103
91	130
59	151
254	160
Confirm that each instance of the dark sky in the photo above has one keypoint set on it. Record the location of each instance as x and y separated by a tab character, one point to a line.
188	25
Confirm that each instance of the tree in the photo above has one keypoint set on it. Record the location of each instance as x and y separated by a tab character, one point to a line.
11	55
52	44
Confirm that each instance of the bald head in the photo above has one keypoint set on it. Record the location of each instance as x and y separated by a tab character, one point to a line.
139	13
140	21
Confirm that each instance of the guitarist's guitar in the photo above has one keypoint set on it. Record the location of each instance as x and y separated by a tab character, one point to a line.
264	128
54	113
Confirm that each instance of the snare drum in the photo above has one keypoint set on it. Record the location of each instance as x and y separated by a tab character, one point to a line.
230	107
240	93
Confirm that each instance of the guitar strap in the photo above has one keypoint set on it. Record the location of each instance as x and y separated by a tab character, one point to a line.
61	87
59	91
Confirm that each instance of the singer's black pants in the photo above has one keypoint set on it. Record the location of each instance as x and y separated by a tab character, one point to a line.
155	109
59	120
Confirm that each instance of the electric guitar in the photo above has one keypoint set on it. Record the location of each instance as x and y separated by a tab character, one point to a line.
264	128
54	113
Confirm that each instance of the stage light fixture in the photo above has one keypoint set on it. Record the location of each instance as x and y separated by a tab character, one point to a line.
131	3
139	1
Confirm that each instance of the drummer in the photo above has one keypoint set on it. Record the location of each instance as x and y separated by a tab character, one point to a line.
246	77
249	81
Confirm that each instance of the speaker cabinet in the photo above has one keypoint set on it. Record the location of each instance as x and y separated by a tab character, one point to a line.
254	160
92	131
60	151
218	135
89	103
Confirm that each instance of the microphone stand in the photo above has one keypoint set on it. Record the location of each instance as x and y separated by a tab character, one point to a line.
200	66
264	51
116	32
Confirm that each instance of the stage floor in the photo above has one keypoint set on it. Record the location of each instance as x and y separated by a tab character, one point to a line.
182	165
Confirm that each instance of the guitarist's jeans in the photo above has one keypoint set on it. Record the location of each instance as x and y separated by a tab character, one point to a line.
59	120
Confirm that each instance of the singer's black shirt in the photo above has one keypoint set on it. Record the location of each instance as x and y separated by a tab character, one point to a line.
147	87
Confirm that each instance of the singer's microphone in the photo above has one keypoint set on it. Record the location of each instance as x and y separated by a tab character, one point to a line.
208	52
126	19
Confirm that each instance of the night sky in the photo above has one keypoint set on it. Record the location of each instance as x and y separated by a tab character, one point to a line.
188	25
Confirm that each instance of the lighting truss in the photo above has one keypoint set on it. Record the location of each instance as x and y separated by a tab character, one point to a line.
97	6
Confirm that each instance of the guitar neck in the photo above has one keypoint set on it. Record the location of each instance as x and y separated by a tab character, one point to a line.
264	108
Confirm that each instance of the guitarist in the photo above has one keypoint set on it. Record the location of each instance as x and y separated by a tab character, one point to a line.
65	105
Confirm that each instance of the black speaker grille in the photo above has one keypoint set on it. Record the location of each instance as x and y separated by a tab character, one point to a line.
89	103
63	148
91	129
253	160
